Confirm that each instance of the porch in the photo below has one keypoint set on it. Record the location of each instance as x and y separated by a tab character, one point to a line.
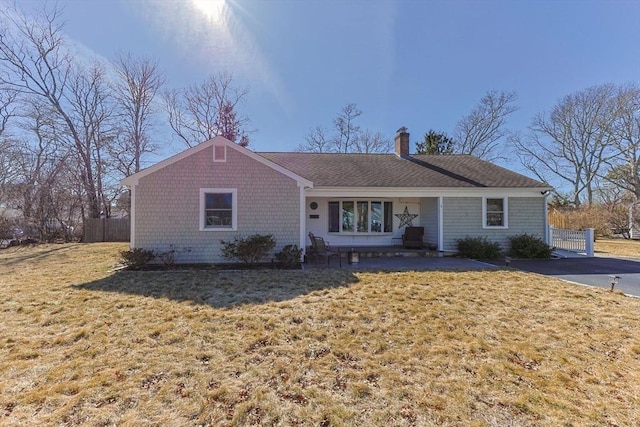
373	225
393	258
372	254
384	251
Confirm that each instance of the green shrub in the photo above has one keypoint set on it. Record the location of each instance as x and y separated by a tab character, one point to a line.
529	246
248	249
137	258
479	248
289	256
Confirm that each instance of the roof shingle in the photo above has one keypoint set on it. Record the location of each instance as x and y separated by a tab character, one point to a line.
389	170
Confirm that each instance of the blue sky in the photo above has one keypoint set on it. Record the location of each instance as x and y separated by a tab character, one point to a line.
420	64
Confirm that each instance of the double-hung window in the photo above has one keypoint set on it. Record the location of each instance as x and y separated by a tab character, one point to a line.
494	212
360	216
218	209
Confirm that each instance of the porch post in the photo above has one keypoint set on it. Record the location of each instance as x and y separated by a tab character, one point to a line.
303	222
547	233
440	225
589	246
132	216
630	220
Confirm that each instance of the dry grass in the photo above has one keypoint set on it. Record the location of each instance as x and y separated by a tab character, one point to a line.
618	247
81	346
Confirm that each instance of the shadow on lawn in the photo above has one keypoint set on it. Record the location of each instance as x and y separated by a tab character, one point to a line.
18	254
222	289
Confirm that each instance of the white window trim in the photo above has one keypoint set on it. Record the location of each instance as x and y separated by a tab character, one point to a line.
224	155
505	204
234	208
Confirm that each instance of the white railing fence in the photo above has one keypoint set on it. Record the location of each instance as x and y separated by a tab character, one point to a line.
579	241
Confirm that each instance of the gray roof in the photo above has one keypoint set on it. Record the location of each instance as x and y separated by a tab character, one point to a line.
389	170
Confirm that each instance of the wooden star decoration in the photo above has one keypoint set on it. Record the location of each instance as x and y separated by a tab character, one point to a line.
406	218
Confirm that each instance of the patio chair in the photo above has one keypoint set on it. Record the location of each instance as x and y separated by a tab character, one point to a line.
413	237
320	248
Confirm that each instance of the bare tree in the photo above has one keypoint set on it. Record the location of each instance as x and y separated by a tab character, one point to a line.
340	138
616	203
371	142
625	169
9	170
38	190
345	136
35	63
317	141
91	114
201	112
479	133
8	150
8	105
347	130
574	142
138	84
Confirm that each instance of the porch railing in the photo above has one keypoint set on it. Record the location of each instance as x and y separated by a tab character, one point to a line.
579	241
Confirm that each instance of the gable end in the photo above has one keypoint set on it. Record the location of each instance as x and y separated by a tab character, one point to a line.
219	155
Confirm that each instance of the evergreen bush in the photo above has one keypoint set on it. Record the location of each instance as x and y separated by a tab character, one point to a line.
249	249
289	256
479	248
137	258
529	246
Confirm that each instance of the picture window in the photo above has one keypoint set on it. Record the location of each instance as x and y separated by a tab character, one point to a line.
360	216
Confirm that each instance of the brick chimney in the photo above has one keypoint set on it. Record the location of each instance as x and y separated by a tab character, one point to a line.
402	142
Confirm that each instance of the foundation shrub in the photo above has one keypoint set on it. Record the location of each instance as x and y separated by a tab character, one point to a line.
529	246
289	256
137	258
249	249
479	248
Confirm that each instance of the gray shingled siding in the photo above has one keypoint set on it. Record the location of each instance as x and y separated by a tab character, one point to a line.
463	217
168	205
429	219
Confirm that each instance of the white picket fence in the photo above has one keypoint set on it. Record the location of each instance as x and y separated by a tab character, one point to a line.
579	241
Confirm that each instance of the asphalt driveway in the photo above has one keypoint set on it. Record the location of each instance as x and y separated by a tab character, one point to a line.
588	271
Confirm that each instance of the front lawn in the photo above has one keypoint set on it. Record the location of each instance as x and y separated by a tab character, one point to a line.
618	247
84	346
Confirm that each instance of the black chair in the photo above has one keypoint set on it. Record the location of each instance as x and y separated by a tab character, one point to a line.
320	248
413	237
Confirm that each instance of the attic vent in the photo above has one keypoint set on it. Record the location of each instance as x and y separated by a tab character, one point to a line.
219	153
